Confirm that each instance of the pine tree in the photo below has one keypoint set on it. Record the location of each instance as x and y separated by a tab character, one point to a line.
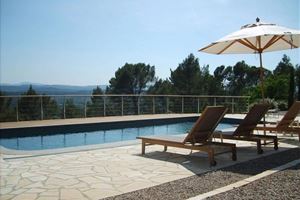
291	87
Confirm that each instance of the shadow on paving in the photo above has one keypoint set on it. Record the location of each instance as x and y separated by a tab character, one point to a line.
197	162
205	182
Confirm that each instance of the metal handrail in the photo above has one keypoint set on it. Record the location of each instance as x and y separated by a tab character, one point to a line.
129	95
116	104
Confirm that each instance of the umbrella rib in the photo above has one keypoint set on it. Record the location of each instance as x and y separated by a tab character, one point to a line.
272	41
289	43
212	44
248	44
227	47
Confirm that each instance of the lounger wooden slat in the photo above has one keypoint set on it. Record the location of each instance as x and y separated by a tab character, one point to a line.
286	123
199	138
245	129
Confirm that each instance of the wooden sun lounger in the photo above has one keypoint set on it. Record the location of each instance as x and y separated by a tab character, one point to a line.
286	123
199	138
245	129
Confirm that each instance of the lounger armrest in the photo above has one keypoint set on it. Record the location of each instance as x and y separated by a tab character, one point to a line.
226	132
217	131
270	122
220	134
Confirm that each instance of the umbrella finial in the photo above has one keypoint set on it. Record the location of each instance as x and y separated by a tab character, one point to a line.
257	19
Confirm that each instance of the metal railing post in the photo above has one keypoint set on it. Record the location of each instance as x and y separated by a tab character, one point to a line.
17	109
85	107
182	104
198	105
167	105
122	105
248	102
104	106
138	105
153	105
42	110
232	105
215	101
64	107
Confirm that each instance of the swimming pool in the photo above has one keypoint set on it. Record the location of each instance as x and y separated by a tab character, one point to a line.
63	140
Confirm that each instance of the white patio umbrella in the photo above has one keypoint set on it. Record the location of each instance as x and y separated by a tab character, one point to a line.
256	39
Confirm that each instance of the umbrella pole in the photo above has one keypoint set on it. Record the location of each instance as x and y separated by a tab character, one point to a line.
262	78
262	89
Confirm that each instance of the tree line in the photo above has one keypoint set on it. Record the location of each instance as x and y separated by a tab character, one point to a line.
189	78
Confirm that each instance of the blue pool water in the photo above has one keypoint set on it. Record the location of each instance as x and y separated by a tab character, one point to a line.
96	137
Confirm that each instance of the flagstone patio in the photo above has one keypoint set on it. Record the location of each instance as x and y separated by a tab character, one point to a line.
96	174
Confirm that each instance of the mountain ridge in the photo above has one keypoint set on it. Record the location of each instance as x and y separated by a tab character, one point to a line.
50	89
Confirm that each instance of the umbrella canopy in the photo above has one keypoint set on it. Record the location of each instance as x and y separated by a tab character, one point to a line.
256	38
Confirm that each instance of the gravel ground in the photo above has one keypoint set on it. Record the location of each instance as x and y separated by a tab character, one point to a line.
281	185
198	184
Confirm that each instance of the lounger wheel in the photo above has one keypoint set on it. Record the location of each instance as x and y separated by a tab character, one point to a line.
213	163
260	151
276	148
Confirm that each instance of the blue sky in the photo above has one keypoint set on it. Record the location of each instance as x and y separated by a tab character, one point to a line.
83	42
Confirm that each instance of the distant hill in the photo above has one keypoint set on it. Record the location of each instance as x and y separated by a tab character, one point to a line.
17	89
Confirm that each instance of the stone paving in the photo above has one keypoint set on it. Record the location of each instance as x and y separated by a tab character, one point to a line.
96	174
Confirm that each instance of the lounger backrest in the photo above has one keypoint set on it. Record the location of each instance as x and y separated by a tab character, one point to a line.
290	116
205	125
251	120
